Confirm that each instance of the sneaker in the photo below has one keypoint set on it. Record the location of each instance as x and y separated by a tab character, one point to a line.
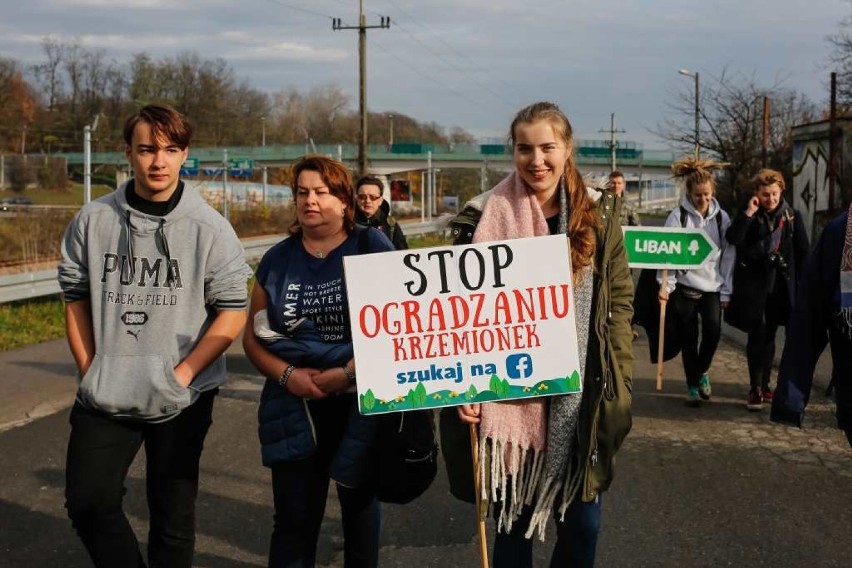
755	400
692	396
766	394
704	390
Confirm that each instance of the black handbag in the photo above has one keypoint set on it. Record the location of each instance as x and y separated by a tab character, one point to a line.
406	456
647	303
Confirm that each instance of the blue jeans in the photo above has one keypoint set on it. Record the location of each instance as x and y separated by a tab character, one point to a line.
300	491
576	539
100	451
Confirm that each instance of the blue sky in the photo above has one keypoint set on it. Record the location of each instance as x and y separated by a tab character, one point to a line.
466	63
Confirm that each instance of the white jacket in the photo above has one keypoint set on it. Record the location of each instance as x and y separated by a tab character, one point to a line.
717	274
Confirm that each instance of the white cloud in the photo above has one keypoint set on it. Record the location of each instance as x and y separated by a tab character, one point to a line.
464	63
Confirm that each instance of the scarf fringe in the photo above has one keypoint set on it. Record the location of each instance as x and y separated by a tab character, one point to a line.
497	459
568	486
518	478
846	320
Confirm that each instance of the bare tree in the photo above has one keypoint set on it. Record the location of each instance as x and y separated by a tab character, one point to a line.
48	73
731	126
840	60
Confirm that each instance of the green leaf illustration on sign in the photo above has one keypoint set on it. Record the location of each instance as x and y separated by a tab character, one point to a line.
494	385
420	395
573	382
471	393
368	400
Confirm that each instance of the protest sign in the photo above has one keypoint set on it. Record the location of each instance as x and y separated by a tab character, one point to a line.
445	326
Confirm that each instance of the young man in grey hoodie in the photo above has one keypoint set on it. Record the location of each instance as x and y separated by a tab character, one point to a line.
154	281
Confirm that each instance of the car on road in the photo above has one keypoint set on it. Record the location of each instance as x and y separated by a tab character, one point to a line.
15	202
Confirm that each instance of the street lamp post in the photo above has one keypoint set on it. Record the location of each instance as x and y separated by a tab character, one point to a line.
263	131
87	158
697	108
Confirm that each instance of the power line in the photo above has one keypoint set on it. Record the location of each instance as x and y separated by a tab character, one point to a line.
299	9
425	76
455	67
449	46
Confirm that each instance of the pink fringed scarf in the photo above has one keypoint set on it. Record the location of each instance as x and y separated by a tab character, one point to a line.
514	437
512	212
846	275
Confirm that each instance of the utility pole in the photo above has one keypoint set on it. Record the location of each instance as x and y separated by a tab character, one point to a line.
613	144
688	73
832	143
87	159
764	154
225	166
362	28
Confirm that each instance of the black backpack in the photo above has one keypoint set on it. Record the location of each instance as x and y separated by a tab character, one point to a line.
405	453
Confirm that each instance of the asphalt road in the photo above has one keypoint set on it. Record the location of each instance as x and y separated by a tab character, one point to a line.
713	486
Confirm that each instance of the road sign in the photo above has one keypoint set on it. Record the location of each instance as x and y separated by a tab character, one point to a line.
241	164
191	163
667	247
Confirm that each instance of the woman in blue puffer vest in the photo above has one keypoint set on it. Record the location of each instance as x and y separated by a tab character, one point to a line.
299	337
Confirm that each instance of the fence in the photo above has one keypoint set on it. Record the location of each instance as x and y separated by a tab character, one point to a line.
28	285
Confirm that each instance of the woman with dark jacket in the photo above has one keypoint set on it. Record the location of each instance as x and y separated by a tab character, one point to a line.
564	444
299	337
374	211
771	247
823	314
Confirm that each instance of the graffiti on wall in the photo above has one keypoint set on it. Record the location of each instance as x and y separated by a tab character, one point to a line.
810	178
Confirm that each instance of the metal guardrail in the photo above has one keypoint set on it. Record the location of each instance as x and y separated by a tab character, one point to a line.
27	285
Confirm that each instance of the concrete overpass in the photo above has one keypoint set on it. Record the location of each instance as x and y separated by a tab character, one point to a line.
593	157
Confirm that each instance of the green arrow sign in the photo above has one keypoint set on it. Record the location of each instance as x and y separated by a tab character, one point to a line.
242	164
667	247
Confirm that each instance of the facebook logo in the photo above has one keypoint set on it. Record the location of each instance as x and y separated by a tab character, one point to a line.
519	366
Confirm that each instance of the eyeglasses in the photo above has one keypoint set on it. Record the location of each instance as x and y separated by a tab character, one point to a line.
364	198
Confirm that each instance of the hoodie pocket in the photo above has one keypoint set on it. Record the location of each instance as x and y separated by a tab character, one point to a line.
136	386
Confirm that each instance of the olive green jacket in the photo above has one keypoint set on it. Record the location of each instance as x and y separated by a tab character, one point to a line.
605	416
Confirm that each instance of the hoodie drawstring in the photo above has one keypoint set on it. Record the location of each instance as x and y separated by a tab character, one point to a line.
170	277
130	261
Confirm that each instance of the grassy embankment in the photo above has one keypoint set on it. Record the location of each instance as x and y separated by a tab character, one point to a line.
43	319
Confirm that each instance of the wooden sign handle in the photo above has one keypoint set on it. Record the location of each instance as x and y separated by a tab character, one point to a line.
662	335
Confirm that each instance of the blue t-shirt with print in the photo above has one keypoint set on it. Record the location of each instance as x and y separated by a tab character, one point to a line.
300	285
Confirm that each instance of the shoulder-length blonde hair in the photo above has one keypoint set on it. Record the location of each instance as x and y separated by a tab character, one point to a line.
583	222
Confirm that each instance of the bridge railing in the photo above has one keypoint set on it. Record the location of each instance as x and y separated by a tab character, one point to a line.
27	285
589	153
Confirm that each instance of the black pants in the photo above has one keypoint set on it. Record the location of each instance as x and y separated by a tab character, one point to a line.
100	451
760	352
703	313
841	376
300	491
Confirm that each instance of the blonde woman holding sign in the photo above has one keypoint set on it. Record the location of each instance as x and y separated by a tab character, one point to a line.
558	450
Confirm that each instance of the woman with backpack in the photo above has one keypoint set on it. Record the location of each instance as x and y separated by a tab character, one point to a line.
699	294
299	337
771	247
